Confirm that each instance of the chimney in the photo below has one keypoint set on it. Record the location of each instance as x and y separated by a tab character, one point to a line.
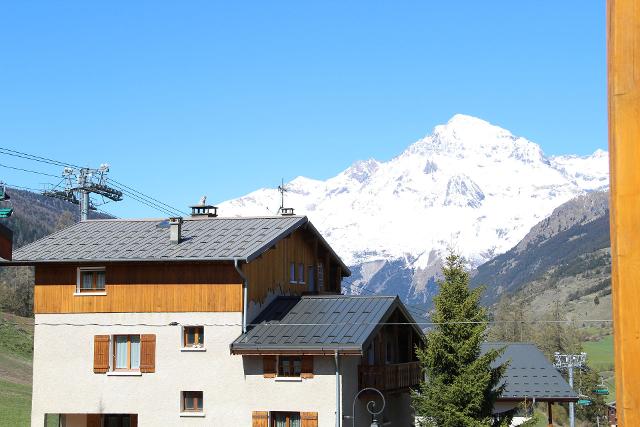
204	210
286	211
175	229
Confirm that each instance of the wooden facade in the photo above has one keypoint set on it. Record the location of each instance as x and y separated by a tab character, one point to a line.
390	363
623	39
142	287
174	286
270	273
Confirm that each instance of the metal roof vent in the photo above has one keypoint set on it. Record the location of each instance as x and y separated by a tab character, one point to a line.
202	209
286	211
175	229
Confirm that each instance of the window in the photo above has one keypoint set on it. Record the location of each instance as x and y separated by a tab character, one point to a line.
119	420
126	352
320	276
91	279
191	401
289	366
193	337
285	419
292	272
301	273
310	279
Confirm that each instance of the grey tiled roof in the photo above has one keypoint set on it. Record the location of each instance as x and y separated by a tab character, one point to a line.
529	374
318	323
218	238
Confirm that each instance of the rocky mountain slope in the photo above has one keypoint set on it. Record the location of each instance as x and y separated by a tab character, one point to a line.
562	245
563	263
470	186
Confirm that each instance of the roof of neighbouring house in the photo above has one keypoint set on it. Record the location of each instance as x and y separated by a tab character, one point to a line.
529	374
318	324
203	239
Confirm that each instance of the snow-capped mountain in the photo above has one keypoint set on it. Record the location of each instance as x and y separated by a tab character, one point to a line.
470	186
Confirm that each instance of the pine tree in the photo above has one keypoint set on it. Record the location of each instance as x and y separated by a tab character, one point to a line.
461	386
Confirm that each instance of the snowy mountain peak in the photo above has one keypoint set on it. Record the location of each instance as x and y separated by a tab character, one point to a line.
463	135
361	170
469	185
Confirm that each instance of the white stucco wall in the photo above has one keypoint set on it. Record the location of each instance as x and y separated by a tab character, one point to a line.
233	386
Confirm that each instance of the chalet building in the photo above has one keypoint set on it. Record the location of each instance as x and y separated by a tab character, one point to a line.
529	378
209	321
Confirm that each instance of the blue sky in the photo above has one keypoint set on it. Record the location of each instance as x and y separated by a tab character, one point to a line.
220	98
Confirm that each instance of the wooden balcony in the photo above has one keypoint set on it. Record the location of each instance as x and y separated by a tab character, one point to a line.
396	377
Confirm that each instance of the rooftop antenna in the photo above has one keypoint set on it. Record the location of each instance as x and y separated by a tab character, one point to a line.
82	182
282	189
282	210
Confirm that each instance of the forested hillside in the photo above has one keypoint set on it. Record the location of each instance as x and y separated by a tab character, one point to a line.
34	216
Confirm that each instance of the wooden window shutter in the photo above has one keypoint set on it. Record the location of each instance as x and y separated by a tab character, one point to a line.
100	354
309	419
269	366
260	419
307	367
147	353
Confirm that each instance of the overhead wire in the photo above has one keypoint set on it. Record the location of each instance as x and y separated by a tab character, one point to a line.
36	158
20	187
463	322
361	288
131	192
121	185
29	170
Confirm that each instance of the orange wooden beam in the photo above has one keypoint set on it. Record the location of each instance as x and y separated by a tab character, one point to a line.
623	44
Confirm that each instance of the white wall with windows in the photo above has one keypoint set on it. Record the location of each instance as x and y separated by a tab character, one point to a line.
231	386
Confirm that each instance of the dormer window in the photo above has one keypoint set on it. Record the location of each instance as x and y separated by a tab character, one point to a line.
91	279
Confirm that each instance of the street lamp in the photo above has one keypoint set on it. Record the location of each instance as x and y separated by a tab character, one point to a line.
371	405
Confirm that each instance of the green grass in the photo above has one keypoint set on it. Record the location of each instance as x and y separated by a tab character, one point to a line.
16	350
15	404
600	353
600	358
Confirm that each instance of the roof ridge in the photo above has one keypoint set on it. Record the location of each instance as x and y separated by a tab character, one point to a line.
341	296
188	218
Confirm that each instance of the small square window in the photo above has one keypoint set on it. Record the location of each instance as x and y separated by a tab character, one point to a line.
191	401
193	337
289	366
91	280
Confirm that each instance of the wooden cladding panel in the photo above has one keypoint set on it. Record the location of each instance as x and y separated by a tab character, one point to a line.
140	299
309	419
260	419
270	272
269	367
141	288
148	353
100	354
624	147
150	273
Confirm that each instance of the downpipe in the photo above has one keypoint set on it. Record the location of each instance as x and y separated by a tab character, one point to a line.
244	294
338	410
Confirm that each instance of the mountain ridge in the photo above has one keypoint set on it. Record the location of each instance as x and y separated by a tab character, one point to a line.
469	186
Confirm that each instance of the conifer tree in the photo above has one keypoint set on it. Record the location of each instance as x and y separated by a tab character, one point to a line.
462	385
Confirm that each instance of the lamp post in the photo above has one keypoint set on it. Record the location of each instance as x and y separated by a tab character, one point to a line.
370	407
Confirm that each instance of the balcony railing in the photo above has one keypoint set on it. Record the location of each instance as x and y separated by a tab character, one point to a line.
396	377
